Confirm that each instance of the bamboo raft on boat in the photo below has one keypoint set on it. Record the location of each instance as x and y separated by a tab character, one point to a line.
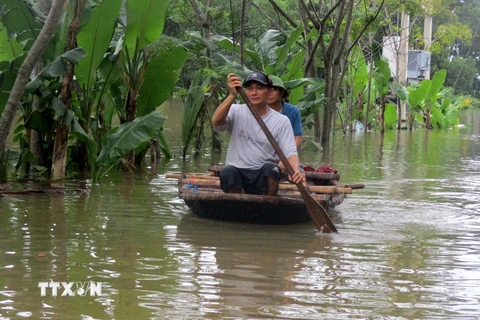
202	194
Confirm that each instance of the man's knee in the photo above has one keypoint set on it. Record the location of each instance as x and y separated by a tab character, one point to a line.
230	181
271	170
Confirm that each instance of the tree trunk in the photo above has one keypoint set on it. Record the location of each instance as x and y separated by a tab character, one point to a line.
382	113
333	79
131	113
25	70
59	160
210	103
311	69
334	50
36	137
242	30
155	152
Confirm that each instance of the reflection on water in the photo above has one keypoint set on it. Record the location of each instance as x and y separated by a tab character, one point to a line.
408	246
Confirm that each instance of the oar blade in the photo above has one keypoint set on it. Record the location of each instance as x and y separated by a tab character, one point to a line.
317	213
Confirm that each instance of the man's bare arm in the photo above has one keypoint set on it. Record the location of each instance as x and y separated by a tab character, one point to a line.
221	113
298	142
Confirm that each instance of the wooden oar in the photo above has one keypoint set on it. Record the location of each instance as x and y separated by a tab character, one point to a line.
317	213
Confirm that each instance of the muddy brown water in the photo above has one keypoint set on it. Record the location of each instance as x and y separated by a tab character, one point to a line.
408	245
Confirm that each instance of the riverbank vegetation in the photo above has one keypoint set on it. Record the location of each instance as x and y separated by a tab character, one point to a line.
87	76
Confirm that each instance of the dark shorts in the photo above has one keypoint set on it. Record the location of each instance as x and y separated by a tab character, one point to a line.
251	181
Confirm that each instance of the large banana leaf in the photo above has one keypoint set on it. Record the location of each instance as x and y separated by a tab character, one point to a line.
391	116
145	21
8	75
282	53
416	97
314	98
20	21
225	43
437	82
129	136
95	38
160	77
295	71
382	76
266	47
110	97
437	118
400	90
9	47
57	68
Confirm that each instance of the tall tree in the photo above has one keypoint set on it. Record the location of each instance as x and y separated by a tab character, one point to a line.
335	48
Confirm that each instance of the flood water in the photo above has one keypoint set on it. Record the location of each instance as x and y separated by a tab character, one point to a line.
408	245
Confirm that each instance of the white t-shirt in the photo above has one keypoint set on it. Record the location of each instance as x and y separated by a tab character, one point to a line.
249	147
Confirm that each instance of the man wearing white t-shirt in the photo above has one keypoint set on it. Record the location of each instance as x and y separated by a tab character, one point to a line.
252	163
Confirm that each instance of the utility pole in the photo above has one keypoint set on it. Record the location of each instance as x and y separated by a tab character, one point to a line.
402	63
427	31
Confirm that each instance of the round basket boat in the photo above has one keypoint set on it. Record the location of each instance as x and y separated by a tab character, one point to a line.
284	208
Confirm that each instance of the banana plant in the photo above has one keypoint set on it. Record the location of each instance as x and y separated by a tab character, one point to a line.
446	114
417	94
382	79
128	137
151	78
53	109
431	104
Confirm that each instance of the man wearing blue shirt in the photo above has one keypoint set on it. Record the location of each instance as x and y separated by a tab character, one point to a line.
277	103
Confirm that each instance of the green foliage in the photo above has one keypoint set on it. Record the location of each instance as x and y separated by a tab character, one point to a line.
294	74
447	35
95	38
66	117
145	21
279	60
437	83
55	69
382	76
161	75
417	94
20	22
356	78
128	137
8	74
463	72
9	46
192	106
314	99
391	116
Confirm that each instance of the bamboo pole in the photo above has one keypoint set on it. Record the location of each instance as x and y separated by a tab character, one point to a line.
281	194
194	177
282	186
